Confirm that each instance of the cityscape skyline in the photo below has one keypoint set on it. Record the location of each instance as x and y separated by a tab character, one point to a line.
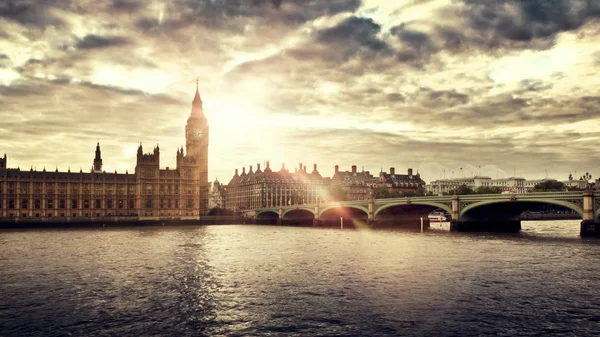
433	85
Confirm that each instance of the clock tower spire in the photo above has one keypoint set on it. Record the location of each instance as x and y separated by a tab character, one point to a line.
196	143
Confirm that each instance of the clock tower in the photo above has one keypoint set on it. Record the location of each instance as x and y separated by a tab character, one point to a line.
196	143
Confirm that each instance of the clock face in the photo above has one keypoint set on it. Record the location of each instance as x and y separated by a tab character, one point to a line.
198	134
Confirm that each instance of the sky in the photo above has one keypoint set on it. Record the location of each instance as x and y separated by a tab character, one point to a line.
497	88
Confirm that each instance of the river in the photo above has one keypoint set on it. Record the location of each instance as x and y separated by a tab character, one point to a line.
241	280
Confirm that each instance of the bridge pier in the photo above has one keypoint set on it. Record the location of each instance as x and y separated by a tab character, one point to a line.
589	227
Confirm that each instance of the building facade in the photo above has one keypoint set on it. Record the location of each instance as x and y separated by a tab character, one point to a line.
401	182
150	192
268	188
358	185
217	195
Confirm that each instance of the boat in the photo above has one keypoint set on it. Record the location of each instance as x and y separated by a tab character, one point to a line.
438	216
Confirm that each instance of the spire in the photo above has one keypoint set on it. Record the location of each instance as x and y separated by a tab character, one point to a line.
197	110
97	159
197	99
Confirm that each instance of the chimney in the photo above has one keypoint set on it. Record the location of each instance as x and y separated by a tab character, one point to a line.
268	164
236	172
392	171
410	172
304	168
300	167
315	167
353	168
257	167
368	173
244	170
250	170
337	168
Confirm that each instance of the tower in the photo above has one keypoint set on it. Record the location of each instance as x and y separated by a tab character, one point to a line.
196	142
97	160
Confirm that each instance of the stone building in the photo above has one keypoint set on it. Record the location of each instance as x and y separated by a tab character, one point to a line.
400	182
148	193
256	189
357	184
217	195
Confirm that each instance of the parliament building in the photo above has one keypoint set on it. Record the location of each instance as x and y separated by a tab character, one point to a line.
149	193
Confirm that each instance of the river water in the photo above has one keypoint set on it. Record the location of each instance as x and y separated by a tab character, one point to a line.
242	280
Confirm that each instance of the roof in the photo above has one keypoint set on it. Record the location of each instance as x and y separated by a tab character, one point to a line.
17	173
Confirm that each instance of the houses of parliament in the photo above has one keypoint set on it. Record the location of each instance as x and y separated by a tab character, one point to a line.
148	193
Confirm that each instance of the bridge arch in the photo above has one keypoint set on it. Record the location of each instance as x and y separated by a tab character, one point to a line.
267	213
446	208
364	209
312	211
563	203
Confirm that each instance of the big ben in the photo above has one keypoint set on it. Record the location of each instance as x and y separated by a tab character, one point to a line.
196	142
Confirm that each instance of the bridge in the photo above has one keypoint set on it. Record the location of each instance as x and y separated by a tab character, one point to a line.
468	212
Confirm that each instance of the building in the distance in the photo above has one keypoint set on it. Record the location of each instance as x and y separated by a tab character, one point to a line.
217	195
357	184
268	188
149	192
400	182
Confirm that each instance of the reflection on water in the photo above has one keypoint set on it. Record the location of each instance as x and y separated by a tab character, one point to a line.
253	280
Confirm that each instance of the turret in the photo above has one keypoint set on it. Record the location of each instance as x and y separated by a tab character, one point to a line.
97	159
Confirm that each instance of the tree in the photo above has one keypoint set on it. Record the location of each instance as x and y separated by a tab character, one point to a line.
488	190
381	192
337	193
461	190
550	185
220	211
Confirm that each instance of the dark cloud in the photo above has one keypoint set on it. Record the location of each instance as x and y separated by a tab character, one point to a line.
354	33
29	13
5	61
440	98
97	42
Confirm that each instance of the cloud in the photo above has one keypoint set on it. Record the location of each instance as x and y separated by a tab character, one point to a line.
29	13
355	35
97	42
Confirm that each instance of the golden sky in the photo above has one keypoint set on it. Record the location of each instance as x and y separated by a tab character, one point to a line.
497	87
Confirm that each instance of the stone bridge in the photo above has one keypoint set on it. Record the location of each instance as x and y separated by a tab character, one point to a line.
468	212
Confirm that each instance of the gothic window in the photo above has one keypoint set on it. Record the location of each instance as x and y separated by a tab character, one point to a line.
109	203
86	189
86	203
37	188
97	189
98	203
131	204
62	203
49	203
131	190
189	203
148	189
11	203
24	188
120	189
24	204
74	203
120	203
148	203
11	188
50	188
110	189
74	189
